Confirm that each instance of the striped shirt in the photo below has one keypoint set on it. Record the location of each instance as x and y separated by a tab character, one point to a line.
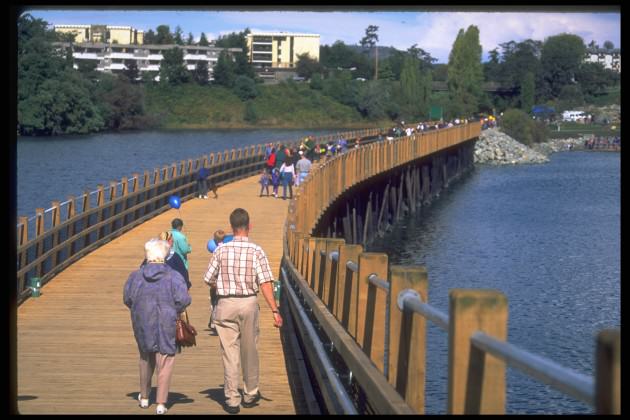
238	268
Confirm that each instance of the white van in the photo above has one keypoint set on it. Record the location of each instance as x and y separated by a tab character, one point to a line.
573	116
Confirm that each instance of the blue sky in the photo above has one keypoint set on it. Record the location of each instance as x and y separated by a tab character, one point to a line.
433	31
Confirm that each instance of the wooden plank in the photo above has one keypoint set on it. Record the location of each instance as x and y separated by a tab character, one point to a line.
85	302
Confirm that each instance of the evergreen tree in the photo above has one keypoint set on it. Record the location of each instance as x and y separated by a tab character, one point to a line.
307	66
203	41
172	67
224	70
131	71
465	74
149	37
369	41
415	87
528	89
200	74
178	38
163	35
190	40
245	88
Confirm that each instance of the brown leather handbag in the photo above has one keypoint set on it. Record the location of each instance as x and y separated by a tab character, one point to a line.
184	332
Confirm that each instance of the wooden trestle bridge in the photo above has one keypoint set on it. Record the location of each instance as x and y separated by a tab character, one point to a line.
338	352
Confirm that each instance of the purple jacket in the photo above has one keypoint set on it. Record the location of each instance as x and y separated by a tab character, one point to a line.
155	293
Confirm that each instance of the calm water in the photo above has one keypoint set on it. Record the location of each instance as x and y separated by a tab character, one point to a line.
548	237
52	168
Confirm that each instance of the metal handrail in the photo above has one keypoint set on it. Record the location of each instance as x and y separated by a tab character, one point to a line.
378	282
411	300
326	365
566	380
352	266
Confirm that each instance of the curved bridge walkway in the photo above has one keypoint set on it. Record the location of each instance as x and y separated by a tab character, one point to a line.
76	350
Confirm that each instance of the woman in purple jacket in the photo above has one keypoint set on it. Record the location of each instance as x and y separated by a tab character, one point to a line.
156	295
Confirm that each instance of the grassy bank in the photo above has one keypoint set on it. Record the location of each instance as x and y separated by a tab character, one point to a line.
577	130
280	106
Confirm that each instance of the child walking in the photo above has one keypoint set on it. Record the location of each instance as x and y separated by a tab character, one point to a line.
275	181
265	179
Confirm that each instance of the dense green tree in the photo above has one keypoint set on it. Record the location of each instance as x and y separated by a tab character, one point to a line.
492	68
465	74
608	46
440	72
519	59
178	37
131	72
307	66
518	125
385	72
200	73
163	35
245	88
241	60
570	96
372	100
561	58
528	89
224	70
593	45
53	98
122	103
191	39
338	55
203	41
415	87
172	68
149	37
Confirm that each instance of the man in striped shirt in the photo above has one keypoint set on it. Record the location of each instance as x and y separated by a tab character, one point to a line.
238	269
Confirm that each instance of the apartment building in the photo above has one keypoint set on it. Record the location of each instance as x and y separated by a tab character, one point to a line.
280	49
114	58
103	33
610	59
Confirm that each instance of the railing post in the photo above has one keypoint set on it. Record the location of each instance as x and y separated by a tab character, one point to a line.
56	220
371	304
310	261
317	267
346	296
22	230
476	380
39	231
608	372
407	331
330	272
303	255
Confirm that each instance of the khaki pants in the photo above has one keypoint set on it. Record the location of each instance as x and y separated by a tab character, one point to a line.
164	364
237	326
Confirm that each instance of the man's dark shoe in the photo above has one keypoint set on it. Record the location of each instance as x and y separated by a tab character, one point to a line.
252	403
231	410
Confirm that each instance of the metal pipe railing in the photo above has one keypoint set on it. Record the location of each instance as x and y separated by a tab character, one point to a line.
547	371
325	365
378	282
411	300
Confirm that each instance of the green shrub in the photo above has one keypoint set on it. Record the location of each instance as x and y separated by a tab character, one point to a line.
518	125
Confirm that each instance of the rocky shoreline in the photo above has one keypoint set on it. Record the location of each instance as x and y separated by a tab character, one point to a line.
497	148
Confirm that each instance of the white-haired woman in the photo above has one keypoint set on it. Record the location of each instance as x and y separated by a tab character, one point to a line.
156	295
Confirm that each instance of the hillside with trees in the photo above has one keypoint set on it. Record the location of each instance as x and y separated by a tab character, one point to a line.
347	87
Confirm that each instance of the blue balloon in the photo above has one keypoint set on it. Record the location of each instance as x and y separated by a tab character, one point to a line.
173	200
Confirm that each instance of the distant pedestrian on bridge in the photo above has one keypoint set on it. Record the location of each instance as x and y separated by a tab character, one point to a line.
238	269
156	295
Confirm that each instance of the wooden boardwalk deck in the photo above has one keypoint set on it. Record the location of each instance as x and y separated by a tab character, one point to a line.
76	351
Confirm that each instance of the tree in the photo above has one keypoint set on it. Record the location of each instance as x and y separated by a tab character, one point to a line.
250	112
415	87
465	74
122	103
307	66
203	41
528	89
200	73
517	124
372	100
172	68
131	71
238	40
224	70
561	58
245	88
593	45
593	78
178	38
317	82
163	35
190	39
369	41
608	46
149	37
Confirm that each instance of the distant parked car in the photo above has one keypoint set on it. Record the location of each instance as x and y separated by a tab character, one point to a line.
298	78
360	79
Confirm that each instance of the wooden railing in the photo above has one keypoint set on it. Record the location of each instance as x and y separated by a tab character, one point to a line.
348	290
82	224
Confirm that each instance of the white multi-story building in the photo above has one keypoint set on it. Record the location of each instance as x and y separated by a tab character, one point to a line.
610	59
114	58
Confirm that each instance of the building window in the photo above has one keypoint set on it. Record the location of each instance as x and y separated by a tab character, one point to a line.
262	39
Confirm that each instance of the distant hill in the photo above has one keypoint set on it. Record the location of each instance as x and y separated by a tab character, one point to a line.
383	52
